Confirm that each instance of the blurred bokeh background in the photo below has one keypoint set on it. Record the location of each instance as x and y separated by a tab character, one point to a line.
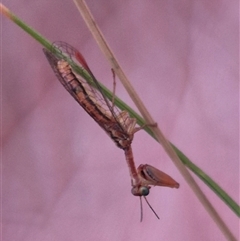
63	178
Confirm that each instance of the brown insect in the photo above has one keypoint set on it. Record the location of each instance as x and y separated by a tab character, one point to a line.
119	126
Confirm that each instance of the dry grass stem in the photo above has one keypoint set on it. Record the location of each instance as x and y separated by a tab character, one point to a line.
98	36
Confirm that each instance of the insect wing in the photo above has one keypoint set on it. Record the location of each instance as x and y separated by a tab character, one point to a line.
69	79
97	94
53	61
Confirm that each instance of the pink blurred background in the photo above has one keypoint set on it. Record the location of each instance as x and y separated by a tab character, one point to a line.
63	178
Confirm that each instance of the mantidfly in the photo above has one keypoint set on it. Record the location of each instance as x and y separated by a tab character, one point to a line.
117	124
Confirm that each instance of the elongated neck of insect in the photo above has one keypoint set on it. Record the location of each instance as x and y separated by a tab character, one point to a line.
131	165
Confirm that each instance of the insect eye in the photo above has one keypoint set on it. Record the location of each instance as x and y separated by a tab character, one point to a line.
144	191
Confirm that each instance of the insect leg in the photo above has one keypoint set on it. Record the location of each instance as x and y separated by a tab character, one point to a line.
114	88
136	129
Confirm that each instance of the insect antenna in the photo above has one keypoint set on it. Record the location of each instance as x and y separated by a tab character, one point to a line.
141	209
148	206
